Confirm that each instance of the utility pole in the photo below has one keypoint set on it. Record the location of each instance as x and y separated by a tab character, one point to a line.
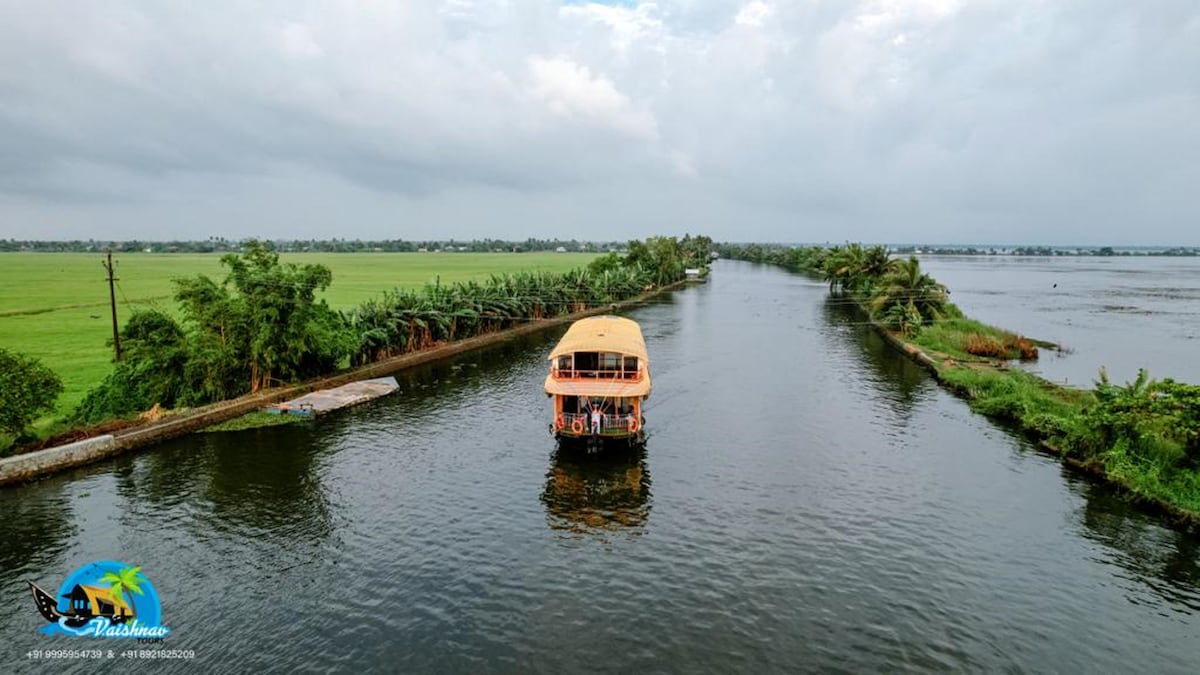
112	297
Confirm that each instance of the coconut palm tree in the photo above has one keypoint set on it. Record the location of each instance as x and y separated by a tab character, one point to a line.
852	267
913	290
875	264
126	579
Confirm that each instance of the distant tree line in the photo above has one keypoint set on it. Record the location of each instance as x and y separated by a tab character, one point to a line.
223	245
1045	251
263	324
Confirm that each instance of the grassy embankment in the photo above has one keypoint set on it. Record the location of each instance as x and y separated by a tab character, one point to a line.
55	305
1143	436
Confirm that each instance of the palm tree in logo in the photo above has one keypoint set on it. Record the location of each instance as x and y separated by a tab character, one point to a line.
126	579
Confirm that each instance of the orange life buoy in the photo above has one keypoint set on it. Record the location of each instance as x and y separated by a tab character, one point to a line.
577	426
633	425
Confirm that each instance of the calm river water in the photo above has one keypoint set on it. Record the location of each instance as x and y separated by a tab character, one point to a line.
807	500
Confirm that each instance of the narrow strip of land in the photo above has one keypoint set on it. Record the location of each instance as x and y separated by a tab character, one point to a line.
1143	436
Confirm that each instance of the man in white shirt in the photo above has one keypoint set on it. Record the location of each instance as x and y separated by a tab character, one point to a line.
596	417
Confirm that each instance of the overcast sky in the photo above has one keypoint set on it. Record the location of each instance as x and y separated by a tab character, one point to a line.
884	120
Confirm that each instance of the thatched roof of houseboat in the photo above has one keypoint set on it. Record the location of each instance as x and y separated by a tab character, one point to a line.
611	334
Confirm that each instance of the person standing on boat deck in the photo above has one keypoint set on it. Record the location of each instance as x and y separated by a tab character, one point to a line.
596	417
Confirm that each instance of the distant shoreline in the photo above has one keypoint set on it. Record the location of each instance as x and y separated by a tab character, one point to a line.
1051	252
221	246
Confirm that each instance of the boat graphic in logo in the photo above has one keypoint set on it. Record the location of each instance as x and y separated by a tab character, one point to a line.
106	599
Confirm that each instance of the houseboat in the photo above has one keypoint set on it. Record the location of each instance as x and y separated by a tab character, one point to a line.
83	604
599	378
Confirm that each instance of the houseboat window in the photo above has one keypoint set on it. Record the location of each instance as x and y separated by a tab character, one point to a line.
610	361
630	364
564	362
586	361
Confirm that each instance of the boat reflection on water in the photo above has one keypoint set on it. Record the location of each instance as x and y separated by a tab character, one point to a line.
603	491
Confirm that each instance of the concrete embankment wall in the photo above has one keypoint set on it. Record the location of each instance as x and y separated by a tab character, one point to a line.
32	465
50	459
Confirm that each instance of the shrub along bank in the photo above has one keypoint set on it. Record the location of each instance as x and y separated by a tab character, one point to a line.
1143	435
263	326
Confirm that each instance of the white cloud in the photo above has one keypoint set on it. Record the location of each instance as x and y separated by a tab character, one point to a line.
569	89
941	119
753	14
296	41
627	25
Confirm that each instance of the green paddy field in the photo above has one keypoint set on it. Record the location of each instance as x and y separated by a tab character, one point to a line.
55	305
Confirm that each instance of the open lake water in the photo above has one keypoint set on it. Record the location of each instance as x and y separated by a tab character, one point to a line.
1121	312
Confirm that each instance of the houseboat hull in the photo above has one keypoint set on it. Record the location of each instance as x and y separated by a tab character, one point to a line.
570	437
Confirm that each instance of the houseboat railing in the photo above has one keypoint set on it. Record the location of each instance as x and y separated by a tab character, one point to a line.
609	424
572	374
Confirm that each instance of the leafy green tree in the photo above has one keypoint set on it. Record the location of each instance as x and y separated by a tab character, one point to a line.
262	325
154	370
264	321
697	250
661	257
606	263
27	389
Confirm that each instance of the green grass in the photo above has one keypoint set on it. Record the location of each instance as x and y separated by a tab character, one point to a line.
1152	470
1154	477
1025	399
950	337
255	420
55	305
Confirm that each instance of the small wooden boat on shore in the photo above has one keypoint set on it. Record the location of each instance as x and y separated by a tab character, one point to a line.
599	378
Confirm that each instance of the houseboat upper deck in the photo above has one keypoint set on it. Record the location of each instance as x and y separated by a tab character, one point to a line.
599	378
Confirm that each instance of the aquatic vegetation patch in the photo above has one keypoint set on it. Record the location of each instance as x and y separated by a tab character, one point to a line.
964	338
254	420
